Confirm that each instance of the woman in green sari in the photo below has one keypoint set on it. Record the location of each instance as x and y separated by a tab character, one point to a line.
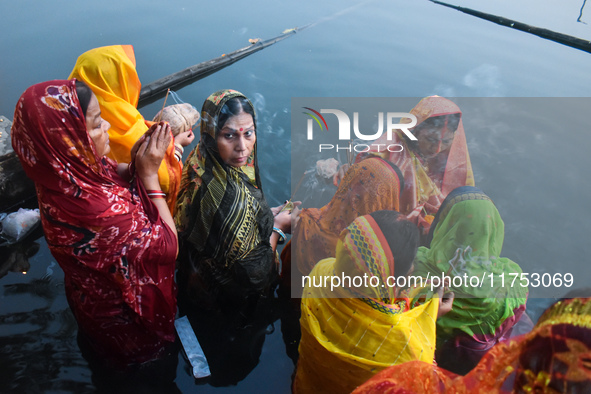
465	240
227	231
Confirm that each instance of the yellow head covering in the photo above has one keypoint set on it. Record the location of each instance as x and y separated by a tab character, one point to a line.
347	340
110	73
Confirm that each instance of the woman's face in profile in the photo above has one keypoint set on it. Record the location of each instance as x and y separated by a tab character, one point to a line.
236	139
97	128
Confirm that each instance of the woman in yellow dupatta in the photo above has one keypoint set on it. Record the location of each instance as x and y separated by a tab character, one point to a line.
432	166
353	332
111	74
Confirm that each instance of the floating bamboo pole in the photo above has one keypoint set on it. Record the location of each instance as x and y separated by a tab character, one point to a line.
154	90
573	42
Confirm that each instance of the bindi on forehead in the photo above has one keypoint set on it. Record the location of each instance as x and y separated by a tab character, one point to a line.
229	128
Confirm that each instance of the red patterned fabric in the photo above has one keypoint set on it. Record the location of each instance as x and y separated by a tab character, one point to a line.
117	254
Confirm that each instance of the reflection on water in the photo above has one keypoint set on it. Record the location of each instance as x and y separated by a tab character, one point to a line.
157	376
15	258
42	351
233	341
39	344
42	287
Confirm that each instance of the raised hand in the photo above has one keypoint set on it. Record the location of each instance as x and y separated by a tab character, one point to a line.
137	144
185	139
150	152
340	174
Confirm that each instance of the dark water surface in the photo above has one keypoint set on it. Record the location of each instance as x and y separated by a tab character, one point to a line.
537	176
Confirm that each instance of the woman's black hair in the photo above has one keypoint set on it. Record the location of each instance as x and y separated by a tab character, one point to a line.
402	236
84	95
232	107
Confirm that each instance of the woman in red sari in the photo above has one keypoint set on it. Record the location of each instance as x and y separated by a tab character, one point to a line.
115	240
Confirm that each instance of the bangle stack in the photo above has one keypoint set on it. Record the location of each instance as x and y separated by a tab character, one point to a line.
281	235
178	151
155	194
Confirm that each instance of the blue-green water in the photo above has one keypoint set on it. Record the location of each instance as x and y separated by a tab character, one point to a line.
370	49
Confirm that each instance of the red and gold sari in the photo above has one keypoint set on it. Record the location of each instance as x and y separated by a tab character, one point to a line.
117	254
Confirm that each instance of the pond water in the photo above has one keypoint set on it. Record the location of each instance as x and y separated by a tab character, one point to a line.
535	174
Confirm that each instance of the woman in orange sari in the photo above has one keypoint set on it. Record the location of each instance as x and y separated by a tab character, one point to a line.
367	187
552	358
435	164
111	74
